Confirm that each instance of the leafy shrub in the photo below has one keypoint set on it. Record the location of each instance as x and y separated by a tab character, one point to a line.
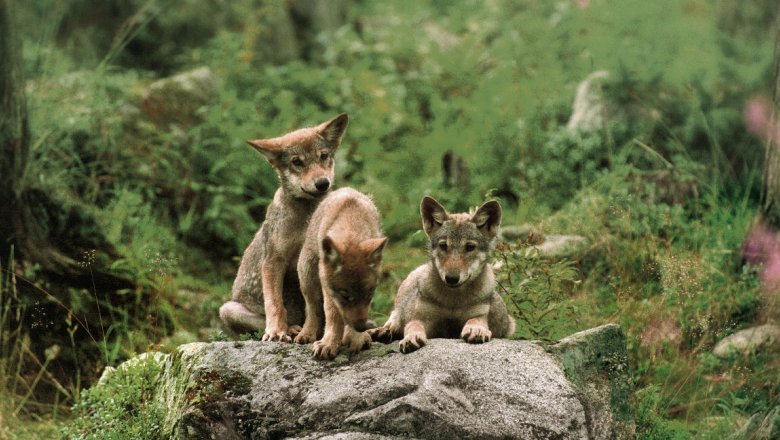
649	424
537	290
122	406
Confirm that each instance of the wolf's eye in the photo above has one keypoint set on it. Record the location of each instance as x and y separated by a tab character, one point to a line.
297	161
443	245
324	156
470	247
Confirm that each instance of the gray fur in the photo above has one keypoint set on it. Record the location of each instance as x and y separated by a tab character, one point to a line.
460	245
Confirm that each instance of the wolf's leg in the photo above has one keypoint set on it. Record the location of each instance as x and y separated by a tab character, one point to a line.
389	332
275	314
328	346
500	322
312	294
476	330
414	336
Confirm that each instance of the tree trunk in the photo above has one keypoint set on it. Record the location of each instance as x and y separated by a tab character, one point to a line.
23	228
14	131
771	181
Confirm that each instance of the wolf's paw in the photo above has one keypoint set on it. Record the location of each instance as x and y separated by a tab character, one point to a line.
355	342
325	350
276	336
380	334
305	337
412	342
475	333
293	330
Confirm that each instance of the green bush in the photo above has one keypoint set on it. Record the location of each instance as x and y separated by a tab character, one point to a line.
651	426
122	406
537	291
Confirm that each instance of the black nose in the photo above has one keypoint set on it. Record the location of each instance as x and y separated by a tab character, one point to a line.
451	279
360	325
322	184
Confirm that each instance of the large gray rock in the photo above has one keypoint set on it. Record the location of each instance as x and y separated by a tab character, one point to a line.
548	245
589	111
748	341
176	100
760	427
576	389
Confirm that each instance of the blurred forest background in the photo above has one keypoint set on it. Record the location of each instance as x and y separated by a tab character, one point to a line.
127	193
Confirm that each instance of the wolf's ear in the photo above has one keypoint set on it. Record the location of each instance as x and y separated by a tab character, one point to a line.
333	130
433	215
269	148
330	253
488	218
373	248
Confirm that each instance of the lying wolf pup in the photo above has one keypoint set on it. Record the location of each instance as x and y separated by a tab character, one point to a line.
339	267
454	293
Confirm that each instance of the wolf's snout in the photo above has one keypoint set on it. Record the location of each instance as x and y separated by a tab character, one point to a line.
451	280
322	184
357	317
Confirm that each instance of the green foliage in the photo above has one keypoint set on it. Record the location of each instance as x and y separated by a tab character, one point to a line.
537	290
649	425
565	163
122	406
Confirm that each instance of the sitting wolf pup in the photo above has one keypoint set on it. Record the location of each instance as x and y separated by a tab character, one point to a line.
267	282
454	294
339	269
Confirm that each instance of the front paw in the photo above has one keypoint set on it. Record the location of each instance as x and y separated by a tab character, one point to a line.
293	330
325	350
277	335
381	334
354	342
412	342
305	337
475	333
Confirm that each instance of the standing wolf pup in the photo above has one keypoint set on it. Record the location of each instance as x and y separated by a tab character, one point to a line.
454	294
266	283
339	268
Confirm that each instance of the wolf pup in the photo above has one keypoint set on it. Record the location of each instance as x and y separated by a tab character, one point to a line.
454	294
267	281
339	269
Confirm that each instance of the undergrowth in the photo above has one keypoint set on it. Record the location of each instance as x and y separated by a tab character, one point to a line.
537	290
123	406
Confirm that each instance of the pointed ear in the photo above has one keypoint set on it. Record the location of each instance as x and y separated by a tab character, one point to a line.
373	248
330	253
333	129
488	218
269	148
433	215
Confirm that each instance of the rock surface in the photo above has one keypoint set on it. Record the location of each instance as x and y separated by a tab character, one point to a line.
589	108
175	100
562	245
748	340
548	245
760	427
576	389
